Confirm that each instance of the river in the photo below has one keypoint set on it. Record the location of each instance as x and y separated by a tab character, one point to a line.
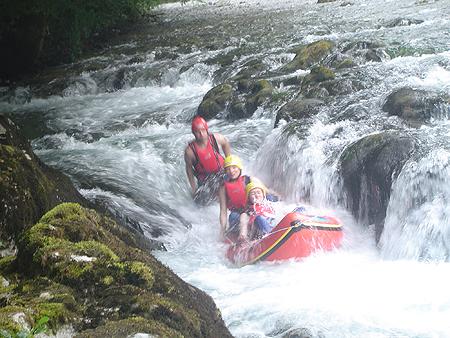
123	147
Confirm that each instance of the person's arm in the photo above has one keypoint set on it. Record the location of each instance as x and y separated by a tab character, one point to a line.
224	144
223	210
189	170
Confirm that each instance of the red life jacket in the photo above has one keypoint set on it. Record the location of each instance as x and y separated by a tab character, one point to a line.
235	192
208	160
264	208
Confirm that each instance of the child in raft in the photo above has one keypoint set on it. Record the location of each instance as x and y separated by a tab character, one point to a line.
260	212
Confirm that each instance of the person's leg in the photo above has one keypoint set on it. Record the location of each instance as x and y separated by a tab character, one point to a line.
243	226
262	224
233	220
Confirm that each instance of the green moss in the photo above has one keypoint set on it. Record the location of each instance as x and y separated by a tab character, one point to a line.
170	313
346	63
363	146
215	100
319	74
5	263
24	191
129	327
8	315
310	54
140	274
57	313
261	91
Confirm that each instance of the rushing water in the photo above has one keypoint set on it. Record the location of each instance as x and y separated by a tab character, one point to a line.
124	148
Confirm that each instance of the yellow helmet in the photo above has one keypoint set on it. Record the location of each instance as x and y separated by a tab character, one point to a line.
254	183
232	160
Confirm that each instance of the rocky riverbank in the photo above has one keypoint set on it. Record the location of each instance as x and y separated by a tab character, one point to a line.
77	267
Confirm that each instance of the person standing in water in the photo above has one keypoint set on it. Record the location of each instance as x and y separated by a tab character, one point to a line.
204	162
232	196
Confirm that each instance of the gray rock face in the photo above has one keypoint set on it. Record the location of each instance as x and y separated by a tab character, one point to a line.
368	168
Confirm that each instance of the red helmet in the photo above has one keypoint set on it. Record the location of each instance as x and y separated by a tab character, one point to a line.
199	122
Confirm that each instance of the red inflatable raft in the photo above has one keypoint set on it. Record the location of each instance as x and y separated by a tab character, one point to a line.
297	235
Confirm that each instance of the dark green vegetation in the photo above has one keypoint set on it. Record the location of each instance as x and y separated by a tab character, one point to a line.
49	32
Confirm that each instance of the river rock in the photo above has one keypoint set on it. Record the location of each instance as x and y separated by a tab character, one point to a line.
309	55
298	109
82	269
215	101
28	187
403	22
417	105
368	168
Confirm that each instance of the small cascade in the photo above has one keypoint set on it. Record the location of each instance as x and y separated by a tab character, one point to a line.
418	216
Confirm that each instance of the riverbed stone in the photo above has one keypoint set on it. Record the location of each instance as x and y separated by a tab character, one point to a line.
298	109
28	187
368	167
215	101
78	267
309	55
417	105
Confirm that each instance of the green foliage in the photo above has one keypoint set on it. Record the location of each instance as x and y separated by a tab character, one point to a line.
67	25
39	327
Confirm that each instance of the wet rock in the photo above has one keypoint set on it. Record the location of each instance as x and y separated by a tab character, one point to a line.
402	22
80	86
309	55
250	69
344	63
343	86
300	333
215	101
261	91
298	109
78	267
28	188
417	105
377	55
319	74
366	51
368	168
19	95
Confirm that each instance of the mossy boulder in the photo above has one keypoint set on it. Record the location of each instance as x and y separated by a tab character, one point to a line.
299	108
415	105
319	74
28	188
310	55
261	91
78	267
368	167
215	101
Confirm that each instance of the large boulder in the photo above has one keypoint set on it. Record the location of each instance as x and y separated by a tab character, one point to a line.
367	168
237	100
215	101
299	108
28	187
415	105
310	55
78	267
